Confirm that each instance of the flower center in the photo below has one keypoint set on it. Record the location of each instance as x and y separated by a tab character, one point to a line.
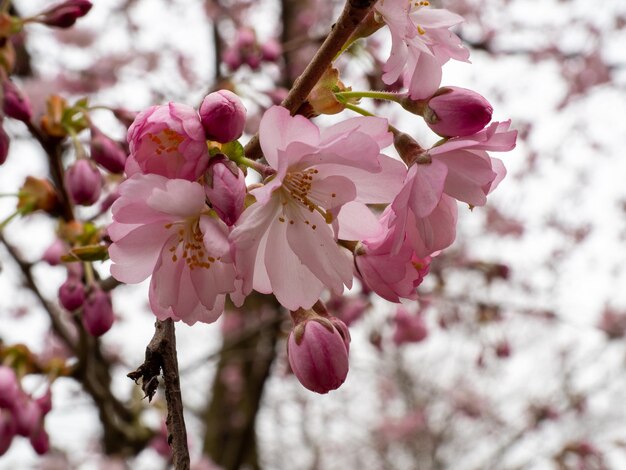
299	185
166	141
189	245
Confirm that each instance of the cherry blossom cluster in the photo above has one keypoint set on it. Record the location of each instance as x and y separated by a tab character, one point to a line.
186	217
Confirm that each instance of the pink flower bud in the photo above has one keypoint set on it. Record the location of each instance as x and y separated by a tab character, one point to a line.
106	152
168	141
271	50
253	61
232	58
5	141
40	441
125	116
44	402
72	294
409	328
16	104
53	253
454	111
226	188
245	38
27	416
98	314
9	389
65	14
7	430
223	116
83	182
317	354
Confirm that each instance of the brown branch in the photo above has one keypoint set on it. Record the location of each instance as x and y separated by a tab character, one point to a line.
161	355
353	13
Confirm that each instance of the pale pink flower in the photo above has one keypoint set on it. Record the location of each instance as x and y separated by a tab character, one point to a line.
163	227
286	241
169	141
393	276
424	210
421	44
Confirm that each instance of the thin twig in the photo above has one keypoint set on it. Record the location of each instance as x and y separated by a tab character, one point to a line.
161	355
353	13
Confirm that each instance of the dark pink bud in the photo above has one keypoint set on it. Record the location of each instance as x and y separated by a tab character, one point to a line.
72	293
98	314
410	328
125	116
454	111
65	14
223	116
40	441
317	354
226	188
9	389
245	38
503	349
253	61
83	182
44	402
16	104
106	152
27	416
7	430
5	141
271	50
232	58
109	200
53	253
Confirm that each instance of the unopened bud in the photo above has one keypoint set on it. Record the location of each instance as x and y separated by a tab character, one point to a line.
454	111
40	441
245	38
7	430
9	389
106	152
83	182
72	294
317	352
226	188
27	416
271	50
232	58
125	116
53	253
98	313
223	116
65	14
410	328
16	104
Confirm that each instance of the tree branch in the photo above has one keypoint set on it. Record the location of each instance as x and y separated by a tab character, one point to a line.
353	13
161	355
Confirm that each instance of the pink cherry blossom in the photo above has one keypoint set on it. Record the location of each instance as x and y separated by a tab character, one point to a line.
163	227
424	210
286	241
393	276
421	44
169	141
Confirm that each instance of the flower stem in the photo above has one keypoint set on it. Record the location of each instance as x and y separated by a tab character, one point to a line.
377	95
358	109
